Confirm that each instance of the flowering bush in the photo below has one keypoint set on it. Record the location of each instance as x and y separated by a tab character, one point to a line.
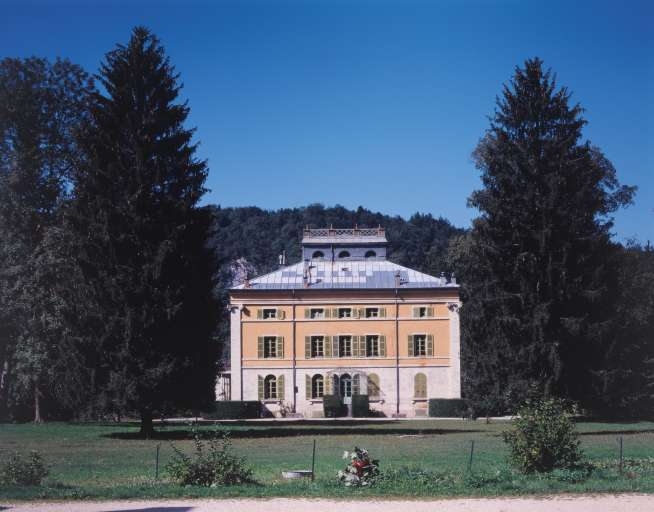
361	470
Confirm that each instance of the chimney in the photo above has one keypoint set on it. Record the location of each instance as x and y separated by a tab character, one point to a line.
453	279
246	282
398	280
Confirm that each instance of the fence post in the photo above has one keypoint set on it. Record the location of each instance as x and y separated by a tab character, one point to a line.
156	466
472	450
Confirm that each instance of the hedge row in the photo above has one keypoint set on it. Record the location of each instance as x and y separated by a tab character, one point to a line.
447	407
234	410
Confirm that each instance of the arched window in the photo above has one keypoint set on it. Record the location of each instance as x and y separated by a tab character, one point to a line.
270	387
318	254
345	387
317	386
344	254
373	386
420	386
371	254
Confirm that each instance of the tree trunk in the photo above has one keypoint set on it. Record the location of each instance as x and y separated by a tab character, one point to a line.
37	402
147	429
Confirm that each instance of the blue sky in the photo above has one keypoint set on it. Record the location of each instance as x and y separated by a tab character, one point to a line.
372	103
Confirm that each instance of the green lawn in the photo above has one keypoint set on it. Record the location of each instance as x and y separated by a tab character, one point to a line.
426	458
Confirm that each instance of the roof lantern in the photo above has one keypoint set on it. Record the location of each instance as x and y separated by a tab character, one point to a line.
338	244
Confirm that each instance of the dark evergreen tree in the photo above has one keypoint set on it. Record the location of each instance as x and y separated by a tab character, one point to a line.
623	375
536	304
41	106
141	239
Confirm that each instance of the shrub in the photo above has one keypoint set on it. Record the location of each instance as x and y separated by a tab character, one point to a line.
333	406
234	409
447	407
543	438
213	463
360	406
17	471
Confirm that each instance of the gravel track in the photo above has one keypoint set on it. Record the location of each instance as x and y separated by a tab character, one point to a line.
558	503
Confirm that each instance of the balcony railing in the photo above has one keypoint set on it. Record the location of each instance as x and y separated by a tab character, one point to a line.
343	233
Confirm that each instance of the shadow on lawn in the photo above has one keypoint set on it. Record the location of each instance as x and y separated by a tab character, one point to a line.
154	509
289	431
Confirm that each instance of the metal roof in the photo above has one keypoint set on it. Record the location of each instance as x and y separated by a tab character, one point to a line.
355	274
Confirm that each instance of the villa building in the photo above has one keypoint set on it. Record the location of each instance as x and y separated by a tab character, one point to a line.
345	321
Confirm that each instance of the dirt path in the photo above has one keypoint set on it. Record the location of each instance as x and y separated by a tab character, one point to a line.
559	503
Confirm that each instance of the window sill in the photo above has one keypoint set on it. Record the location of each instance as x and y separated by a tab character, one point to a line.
419	400
272	400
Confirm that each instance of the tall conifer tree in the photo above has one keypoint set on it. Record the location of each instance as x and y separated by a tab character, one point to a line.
142	238
536	297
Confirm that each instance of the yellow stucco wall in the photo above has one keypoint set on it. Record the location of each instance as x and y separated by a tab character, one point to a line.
437	325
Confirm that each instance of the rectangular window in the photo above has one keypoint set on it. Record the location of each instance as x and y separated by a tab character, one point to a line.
317	313
420	345
372	346
317	346
423	312
344	312
372	312
269	313
270	346
345	346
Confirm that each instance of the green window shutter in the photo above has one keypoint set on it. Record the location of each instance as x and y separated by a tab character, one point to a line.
362	346
420	385
430	344
260	386
327	345
260	351
328	312
362	312
281	314
307	347
356	384
335	351
280	346
411	345
355	313
356	350
307	381
280	387
430	312
259	314
416	312
307	313
382	312
382	346
334	313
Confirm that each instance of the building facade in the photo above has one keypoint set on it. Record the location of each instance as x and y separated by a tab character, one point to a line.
345	321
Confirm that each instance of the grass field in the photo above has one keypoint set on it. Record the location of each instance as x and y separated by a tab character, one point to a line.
420	458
